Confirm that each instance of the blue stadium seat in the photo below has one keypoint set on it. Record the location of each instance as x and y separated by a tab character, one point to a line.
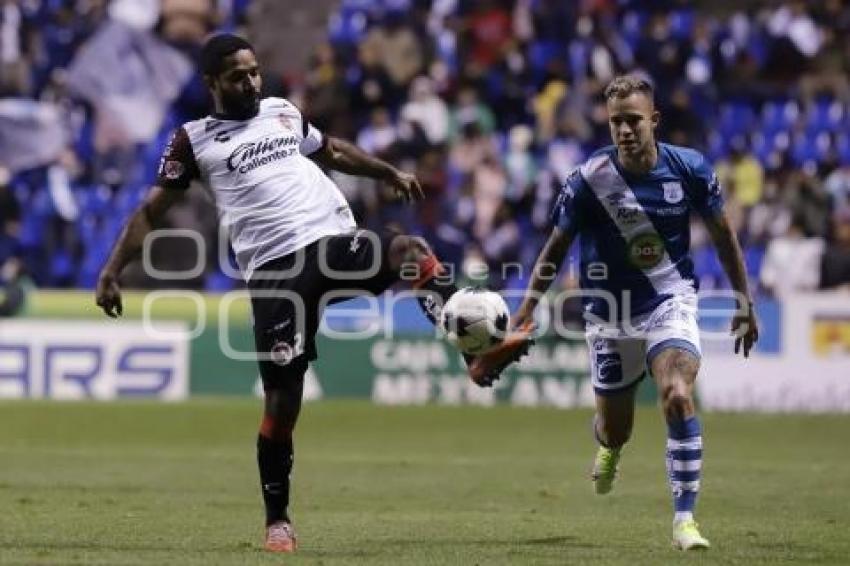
707	267
89	229
753	256
349	24
842	147
93	199
811	147
736	118
61	268
779	115
826	115
681	23
539	55
218	282
765	143
718	146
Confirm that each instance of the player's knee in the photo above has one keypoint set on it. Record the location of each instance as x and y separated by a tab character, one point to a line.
407	249
275	428
280	415
676	399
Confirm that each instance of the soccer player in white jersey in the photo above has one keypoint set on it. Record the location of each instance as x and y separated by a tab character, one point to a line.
294	237
630	205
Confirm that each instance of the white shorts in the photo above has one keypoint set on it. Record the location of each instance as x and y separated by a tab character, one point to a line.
620	356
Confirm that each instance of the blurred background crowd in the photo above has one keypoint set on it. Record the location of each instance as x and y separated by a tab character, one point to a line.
490	102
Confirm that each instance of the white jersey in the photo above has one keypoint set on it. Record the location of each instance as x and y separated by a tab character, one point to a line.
270	197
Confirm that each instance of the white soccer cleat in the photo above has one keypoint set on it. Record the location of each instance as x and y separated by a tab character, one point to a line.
686	536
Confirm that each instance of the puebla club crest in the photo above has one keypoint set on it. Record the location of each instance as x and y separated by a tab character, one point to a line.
673	192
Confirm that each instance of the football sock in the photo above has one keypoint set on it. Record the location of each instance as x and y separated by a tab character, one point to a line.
275	458
434	291
598	436
684	462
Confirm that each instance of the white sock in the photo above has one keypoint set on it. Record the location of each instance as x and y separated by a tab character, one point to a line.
682	516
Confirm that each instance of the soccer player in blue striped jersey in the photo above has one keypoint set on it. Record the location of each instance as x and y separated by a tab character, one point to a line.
630	205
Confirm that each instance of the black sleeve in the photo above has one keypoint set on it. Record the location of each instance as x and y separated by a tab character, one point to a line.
177	167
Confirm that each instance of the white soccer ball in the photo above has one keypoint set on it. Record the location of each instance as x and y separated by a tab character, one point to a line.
475	320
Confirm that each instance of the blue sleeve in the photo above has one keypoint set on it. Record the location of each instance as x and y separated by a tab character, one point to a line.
706	193
566	213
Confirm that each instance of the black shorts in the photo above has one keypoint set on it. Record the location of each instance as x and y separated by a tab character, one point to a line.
288	295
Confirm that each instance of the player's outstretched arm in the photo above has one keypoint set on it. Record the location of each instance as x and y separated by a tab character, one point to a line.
128	246
544	272
744	323
346	157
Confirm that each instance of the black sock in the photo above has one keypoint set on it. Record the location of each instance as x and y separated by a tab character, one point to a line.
275	459
433	295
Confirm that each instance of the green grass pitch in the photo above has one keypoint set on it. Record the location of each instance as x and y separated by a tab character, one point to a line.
143	483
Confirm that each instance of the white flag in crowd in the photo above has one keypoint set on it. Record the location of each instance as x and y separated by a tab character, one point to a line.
131	77
31	134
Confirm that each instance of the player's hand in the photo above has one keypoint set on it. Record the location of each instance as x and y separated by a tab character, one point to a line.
406	186
108	294
745	329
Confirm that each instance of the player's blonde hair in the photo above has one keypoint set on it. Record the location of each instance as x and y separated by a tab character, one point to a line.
625	85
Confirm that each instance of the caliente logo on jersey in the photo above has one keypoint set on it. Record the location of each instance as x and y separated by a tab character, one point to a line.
250	155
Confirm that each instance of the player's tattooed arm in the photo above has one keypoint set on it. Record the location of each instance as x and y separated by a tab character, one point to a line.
544	272
346	157
744	323
129	245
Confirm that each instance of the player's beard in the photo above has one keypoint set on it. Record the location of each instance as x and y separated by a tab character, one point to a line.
241	106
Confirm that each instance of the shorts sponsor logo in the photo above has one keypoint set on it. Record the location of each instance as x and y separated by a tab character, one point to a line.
646	250
609	368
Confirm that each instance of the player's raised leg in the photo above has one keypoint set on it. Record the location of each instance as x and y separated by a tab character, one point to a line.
413	259
675	370
412	255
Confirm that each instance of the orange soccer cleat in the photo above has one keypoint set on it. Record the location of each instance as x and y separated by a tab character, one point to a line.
280	537
484	369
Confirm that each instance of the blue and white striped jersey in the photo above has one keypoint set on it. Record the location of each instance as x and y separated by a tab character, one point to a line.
634	231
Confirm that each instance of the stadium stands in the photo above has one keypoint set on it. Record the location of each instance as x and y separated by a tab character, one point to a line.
728	83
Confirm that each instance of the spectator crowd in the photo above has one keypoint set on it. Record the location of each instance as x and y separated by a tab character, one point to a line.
490	102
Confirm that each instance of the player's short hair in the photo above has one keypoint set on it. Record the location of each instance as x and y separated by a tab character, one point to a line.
217	48
626	85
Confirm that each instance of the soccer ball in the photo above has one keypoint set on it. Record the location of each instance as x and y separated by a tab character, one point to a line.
475	320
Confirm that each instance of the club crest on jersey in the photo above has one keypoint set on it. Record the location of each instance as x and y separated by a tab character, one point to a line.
284	121
673	192
172	169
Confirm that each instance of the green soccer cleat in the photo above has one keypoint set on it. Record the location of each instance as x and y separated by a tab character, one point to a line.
605	469
686	536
